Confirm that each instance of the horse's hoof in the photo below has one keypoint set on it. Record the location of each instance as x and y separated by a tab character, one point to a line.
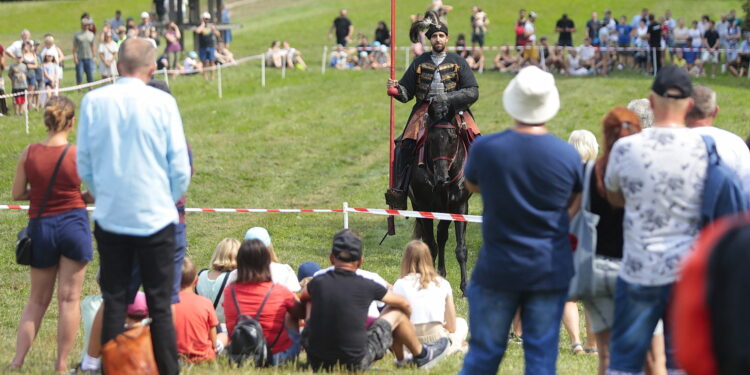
441	273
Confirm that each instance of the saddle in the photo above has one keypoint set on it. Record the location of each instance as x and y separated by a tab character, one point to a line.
466	133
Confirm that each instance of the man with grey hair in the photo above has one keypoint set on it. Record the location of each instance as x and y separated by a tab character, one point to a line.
16	47
731	148
133	157
642	107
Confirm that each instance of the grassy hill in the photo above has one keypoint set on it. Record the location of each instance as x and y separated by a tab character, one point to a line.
314	140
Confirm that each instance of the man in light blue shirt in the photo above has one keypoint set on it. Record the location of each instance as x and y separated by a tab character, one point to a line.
133	157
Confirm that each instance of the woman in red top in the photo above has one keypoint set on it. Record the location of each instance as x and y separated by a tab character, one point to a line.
61	237
282	311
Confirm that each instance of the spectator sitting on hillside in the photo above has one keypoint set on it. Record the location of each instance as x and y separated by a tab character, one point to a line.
254	287
223	55
553	57
191	64
195	321
693	63
476	59
505	61
587	53
431	297
294	57
338	331
282	273
381	59
274	55
575	65
338	58
211	282
739	66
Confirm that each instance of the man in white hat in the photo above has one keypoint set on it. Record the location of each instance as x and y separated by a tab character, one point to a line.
207	36
527	178
145	25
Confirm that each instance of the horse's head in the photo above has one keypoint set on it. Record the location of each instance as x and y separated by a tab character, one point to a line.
443	141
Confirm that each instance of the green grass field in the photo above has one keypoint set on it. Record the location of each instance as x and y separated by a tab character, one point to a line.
315	141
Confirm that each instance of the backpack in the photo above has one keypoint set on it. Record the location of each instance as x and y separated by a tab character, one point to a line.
722	193
247	340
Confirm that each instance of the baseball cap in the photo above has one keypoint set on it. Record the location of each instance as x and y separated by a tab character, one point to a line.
532	14
192	55
138	308
347	246
86	21
145	15
675	79
206	15
260	234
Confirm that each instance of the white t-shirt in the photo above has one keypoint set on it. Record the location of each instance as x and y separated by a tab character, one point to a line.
280	274
188	65
427	305
732	150
211	288
373	311
661	172
15	48
528	28
697	36
586	52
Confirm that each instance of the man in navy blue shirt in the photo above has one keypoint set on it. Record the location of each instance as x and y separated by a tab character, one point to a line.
528	179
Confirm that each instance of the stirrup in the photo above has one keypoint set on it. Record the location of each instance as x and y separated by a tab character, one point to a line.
396	198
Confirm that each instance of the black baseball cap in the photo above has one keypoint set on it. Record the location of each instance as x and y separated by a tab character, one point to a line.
347	246
675	79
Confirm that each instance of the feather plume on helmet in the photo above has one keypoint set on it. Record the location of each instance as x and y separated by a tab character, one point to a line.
430	25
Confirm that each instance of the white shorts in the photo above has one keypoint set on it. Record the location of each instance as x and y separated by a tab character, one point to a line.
712	57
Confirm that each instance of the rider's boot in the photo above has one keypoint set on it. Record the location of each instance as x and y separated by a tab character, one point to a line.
402	163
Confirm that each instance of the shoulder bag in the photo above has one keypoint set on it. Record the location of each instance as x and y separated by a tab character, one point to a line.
23	244
583	227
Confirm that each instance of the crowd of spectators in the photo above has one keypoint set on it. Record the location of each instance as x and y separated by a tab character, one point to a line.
37	66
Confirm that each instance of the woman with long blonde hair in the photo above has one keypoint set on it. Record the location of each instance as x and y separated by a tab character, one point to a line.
211	282
430	297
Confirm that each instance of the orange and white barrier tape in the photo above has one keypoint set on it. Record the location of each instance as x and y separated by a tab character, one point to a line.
345	210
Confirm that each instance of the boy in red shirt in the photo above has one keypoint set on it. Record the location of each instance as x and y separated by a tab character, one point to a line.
195	321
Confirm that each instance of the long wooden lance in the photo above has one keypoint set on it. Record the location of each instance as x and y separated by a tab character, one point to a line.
392	91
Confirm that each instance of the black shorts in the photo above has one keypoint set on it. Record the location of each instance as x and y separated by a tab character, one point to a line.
379	340
477	38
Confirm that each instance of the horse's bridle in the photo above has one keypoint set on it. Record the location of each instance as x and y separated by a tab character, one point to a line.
451	159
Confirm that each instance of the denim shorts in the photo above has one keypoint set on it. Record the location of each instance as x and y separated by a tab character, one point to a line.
290	353
67	234
207	54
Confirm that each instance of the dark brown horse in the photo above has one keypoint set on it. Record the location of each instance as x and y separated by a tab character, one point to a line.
437	184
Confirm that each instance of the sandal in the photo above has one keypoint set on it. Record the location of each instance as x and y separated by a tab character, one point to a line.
577	348
591	351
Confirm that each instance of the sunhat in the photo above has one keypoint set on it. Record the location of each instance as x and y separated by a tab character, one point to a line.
192	55
532	97
260	234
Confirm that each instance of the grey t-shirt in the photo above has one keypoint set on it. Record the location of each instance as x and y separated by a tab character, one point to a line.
83	41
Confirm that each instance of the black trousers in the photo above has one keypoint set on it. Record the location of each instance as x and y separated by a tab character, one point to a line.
156	259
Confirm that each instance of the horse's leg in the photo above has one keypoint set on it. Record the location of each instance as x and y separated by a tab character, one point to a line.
428	236
416	234
461	252
442	238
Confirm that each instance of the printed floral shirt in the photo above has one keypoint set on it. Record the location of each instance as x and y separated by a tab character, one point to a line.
661	173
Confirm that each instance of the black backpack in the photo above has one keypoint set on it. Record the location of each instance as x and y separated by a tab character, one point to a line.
247	337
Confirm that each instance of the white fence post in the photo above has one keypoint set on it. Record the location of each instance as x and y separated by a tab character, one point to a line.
323	60
26	111
166	76
283	67
219	82
263	71
346	215
654	63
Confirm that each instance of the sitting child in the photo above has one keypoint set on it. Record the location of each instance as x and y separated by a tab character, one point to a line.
431	298
280	273
137	311
195	321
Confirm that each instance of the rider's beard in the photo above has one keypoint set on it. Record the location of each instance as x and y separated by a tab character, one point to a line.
438	47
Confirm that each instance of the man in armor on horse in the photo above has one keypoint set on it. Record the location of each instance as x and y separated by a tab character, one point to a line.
434	76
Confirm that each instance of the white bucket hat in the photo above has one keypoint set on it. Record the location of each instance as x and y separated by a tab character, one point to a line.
206	15
532	97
